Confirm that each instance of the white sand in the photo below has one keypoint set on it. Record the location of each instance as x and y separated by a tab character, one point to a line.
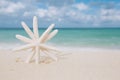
95	64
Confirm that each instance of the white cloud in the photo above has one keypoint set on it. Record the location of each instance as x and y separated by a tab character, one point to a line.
110	14
81	6
76	14
41	12
10	7
61	13
26	13
50	13
58	3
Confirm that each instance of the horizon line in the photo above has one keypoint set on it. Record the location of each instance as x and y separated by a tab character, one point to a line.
69	28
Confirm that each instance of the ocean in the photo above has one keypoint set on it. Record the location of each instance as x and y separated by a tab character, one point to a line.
73	37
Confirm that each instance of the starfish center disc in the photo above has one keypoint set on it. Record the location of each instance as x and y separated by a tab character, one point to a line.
36	42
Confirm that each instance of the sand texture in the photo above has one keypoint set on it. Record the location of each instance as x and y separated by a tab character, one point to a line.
95	64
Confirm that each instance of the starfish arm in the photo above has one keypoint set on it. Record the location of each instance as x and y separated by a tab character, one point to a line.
37	54
46	32
51	55
31	56
23	38
51	35
44	39
35	27
49	48
24	47
27	29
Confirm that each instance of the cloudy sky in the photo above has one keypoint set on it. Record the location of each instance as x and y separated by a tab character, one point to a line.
64	13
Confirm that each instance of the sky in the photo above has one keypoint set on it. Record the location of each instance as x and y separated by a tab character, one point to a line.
64	13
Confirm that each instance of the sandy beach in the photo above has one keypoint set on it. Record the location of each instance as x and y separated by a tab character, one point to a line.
80	39
83	64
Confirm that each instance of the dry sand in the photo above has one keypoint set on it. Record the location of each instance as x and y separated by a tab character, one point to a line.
95	64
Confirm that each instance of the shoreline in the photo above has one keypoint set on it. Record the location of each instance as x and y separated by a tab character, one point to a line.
11	45
70	49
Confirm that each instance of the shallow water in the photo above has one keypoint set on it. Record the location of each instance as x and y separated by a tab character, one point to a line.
101	38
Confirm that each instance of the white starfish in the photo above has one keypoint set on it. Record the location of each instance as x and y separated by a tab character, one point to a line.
36	43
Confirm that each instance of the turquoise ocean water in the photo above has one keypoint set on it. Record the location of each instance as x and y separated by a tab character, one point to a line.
93	38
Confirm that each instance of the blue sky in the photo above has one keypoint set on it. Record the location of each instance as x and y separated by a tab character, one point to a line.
64	13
